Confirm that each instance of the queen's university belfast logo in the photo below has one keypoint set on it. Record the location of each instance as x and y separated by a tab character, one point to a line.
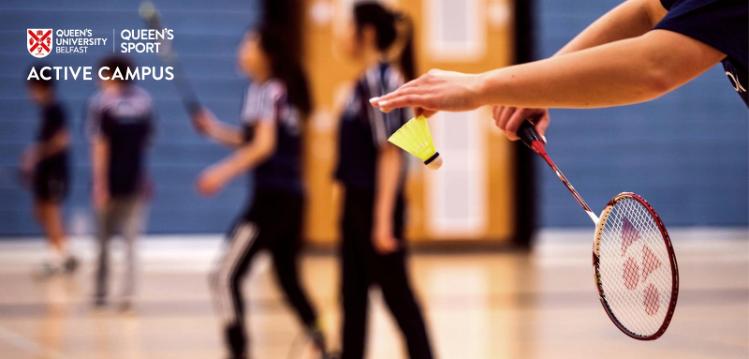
39	42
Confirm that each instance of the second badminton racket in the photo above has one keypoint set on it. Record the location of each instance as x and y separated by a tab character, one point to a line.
151	17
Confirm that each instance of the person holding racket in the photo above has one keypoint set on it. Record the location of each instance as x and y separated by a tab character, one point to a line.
372	171
269	142
640	50
45	165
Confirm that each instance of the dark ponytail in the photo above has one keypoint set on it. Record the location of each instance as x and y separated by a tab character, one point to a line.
393	31
406	59
286	66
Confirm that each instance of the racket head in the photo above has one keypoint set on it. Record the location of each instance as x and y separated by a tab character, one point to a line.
635	267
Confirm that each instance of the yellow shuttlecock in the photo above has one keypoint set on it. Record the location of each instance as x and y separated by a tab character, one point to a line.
414	138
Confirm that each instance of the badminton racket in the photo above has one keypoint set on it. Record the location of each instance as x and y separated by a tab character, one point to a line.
168	55
634	262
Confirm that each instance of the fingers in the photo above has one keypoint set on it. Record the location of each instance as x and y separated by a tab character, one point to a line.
400	100
205	188
513	124
382	101
207	184
413	83
408	95
385	102
437	90
496	111
504	116
385	245
508	119
542	124
203	120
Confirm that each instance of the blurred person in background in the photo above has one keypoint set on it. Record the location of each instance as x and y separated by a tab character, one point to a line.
372	171
640	50
121	117
45	164
268	142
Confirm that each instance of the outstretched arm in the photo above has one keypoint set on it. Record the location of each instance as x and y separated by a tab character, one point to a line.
618	73
244	158
222	133
631	18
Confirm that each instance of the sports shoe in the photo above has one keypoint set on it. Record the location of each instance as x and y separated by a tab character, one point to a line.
70	265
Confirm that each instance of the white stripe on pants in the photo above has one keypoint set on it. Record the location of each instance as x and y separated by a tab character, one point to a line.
243	238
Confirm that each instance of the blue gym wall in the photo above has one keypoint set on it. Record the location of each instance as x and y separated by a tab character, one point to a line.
206	35
686	152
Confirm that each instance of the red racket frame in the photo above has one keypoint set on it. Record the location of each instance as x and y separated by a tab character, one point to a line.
672	260
534	141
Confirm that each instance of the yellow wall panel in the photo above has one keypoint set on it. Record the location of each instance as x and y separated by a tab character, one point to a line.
330	76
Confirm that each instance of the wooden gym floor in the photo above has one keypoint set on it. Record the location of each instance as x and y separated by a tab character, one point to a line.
487	305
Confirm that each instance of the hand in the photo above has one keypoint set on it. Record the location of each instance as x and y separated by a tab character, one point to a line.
438	90
100	197
383	240
28	162
204	121
211	181
508	119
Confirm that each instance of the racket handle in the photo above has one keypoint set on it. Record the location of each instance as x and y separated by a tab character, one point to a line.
193	107
528	135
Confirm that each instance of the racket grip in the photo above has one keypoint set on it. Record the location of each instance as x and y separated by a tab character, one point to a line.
528	134
193	107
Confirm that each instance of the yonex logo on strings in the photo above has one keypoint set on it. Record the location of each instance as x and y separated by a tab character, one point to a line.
631	272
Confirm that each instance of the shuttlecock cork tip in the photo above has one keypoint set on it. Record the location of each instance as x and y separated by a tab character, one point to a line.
434	162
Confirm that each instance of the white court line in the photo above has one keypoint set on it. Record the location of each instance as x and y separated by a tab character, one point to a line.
26	344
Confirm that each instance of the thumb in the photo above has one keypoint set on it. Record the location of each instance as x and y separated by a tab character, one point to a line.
542	124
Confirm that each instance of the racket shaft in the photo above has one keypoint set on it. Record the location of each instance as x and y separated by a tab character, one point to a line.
571	188
169	57
186	92
532	139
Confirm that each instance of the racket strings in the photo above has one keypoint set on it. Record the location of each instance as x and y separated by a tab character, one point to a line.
634	267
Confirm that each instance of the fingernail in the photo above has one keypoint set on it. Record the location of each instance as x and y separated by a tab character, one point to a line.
374	100
544	138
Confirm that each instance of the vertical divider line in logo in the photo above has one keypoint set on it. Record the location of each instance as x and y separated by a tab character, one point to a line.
114	39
